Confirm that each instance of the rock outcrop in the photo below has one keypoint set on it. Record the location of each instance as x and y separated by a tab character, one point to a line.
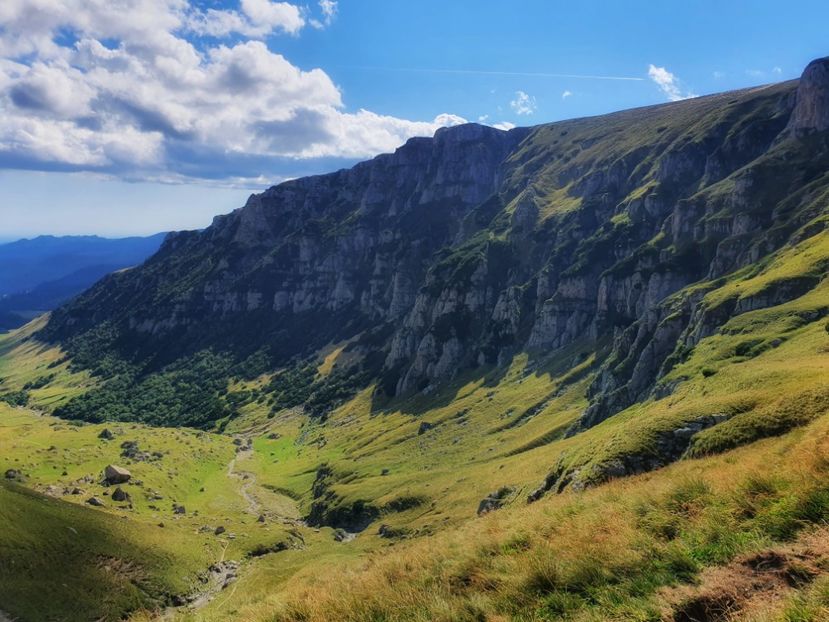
811	110
456	252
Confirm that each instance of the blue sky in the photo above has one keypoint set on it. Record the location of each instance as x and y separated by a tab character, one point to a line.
135	116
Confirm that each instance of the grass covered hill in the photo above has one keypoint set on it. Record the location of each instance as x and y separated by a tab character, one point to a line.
572	372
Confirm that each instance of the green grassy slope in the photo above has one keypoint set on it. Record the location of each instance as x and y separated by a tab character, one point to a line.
503	429
62	561
343	501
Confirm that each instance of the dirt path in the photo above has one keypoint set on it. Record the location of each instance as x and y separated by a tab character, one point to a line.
248	480
224	572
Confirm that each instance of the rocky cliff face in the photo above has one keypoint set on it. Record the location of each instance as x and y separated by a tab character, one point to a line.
460	250
811	111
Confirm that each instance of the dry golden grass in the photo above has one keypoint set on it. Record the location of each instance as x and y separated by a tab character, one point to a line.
600	555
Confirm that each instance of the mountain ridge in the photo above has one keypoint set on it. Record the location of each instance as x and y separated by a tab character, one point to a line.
613	235
580	370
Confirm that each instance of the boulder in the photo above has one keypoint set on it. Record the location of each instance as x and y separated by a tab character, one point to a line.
219	530
179	509
114	474
425	426
95	501
13	474
120	495
106	434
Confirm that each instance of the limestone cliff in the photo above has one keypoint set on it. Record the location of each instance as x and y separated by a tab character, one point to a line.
458	251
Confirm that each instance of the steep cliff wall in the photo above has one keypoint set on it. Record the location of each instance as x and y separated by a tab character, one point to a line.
458	251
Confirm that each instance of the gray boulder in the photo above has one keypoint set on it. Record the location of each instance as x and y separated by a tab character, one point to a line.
120	495
114	474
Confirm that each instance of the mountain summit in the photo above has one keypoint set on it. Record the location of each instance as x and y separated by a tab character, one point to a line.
624	237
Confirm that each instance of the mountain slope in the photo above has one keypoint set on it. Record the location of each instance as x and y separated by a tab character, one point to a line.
409	352
457	252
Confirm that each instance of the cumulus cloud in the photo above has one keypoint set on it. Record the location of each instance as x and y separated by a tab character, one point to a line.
523	104
668	83
566	94
256	18
120	87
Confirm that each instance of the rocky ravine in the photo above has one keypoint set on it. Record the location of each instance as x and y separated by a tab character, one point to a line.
460	250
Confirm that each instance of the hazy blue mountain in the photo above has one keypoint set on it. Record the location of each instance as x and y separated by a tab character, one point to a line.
39	274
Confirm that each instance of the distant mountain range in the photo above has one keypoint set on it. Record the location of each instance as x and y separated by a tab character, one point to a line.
38	274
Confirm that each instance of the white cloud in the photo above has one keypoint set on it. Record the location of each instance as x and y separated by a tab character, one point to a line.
523	104
258	18
483	118
760	74
566	94
668	83
328	8
719	75
133	97
503	125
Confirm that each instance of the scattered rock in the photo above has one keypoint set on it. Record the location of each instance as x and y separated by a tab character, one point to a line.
114	474
130	450
387	531
106	434
95	501
495	500
341	535
261	549
384	472
120	495
425	426
179	509
261	518
13	474
274	436
219	530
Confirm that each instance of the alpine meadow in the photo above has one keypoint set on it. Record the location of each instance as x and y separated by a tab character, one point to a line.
575	370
